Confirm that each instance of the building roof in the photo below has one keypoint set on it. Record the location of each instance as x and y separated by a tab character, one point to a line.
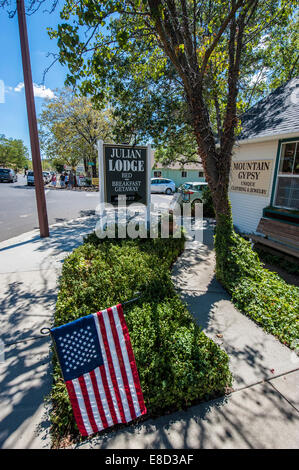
277	114
174	166
179	166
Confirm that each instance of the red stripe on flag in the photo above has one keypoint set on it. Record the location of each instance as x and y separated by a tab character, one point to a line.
98	398
121	363
131	359
111	367
87	403
75	406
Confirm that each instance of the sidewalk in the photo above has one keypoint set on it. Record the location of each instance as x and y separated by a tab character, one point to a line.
29	270
262	412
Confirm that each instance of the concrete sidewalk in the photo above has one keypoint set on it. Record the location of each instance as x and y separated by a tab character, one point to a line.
262	412
29	271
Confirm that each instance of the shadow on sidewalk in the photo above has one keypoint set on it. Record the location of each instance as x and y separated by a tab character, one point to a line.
247	419
25	381
26	305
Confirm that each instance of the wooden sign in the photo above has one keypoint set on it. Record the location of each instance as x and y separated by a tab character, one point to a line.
126	174
251	177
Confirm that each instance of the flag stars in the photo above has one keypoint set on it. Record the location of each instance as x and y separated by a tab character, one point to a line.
78	349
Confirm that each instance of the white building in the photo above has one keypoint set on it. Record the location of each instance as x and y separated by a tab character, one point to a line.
264	180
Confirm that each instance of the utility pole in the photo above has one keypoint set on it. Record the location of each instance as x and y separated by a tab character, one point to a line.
34	142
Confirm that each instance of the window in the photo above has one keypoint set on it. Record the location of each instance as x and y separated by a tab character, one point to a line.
200	174
157	174
184	174
287	186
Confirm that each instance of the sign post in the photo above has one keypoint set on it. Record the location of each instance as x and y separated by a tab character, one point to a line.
101	175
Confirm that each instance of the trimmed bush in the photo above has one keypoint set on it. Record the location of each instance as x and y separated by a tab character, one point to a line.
178	365
262	295
235	259
272	303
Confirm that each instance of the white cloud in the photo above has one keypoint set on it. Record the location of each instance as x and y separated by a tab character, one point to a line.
40	91
260	76
19	87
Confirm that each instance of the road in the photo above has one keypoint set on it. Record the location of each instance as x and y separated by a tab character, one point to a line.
18	212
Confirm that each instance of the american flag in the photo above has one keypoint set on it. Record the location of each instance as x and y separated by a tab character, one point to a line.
99	370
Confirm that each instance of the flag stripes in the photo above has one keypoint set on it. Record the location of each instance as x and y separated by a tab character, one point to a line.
111	393
111	360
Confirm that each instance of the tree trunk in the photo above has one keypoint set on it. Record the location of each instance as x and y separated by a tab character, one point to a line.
94	171
217	168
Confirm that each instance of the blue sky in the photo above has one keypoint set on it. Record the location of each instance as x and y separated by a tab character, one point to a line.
13	114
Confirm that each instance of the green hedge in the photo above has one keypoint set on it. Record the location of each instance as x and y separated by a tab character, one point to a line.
262	295
178	365
272	303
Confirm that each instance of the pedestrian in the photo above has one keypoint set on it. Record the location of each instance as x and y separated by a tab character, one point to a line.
53	180
62	180
66	180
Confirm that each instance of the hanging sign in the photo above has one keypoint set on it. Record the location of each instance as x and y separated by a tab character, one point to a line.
125	174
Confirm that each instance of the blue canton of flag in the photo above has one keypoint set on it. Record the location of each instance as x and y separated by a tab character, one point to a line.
78	347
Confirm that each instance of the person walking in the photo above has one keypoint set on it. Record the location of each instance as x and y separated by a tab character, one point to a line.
66	180
53	180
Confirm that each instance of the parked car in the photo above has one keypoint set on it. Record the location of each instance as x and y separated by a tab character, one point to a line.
30	178
47	177
162	185
6	174
191	192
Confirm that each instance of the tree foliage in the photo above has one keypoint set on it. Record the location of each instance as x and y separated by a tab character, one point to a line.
13	153
179	65
69	129
149	57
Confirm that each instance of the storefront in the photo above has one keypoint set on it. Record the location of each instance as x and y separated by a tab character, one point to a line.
286	187
264	179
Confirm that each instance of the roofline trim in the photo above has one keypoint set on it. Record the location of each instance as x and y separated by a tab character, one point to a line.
266	138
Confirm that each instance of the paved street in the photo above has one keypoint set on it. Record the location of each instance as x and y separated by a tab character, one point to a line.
18	212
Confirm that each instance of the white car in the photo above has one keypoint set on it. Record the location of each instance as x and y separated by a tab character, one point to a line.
30	178
162	185
47	177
